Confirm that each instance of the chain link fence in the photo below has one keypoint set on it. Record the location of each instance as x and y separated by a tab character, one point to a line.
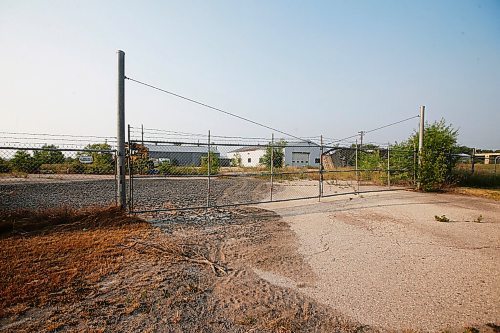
170	171
476	169
45	175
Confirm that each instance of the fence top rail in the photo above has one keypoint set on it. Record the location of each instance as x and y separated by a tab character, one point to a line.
57	149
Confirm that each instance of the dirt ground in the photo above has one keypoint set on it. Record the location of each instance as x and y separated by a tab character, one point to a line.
171	277
384	259
367	263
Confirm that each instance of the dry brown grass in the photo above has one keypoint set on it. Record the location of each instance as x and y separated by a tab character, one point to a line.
478	192
59	261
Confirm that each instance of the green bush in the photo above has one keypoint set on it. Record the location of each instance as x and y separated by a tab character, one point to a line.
435	171
214	164
48	156
24	162
278	155
5	166
103	162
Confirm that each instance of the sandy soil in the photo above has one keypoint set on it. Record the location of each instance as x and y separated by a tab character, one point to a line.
351	263
189	276
383	259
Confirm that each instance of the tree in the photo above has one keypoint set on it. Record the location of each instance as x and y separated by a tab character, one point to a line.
437	161
214	164
4	166
102	161
236	160
48	155
23	162
278	155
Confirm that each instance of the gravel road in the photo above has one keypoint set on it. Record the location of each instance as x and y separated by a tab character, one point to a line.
148	193
385	261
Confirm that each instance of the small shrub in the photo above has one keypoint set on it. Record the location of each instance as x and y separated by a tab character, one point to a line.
4	166
441	218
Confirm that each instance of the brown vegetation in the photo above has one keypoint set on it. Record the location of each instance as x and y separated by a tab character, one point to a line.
103	271
62	256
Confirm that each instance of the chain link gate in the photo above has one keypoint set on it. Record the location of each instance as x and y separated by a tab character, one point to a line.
172	173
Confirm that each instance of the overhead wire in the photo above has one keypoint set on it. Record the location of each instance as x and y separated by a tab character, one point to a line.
375	129
217	109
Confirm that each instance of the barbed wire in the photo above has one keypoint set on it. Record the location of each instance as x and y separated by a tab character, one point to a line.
59	135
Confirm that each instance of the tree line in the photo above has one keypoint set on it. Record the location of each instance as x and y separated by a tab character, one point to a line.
49	159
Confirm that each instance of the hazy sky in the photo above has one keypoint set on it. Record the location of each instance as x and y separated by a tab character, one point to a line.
305	67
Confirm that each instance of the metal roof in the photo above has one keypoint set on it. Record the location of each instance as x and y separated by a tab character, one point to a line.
180	148
243	149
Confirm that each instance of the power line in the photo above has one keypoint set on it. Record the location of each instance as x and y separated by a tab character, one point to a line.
395	123
216	109
171	133
376	129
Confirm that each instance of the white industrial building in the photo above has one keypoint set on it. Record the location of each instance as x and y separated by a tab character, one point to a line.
296	154
248	156
302	154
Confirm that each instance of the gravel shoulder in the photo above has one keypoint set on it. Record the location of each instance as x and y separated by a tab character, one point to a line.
383	259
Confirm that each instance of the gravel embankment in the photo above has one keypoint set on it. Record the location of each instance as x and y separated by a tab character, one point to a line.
155	193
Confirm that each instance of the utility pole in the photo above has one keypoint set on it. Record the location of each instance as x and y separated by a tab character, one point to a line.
120	134
142	134
361	134
421	141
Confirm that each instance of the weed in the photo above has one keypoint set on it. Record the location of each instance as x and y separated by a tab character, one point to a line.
471	330
441	218
479	219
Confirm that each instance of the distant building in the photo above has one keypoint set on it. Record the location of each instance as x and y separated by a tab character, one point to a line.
181	155
247	156
489	158
295	154
302	154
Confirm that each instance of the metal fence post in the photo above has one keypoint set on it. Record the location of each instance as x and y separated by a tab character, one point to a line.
122	200
320	169
473	160
357	171
130	174
414	164
496	158
272	164
388	164
421	141
208	172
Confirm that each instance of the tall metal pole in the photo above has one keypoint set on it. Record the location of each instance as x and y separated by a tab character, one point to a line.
272	164
120	134
421	141
208	171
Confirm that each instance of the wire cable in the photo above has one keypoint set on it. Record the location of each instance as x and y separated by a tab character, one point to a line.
217	109
395	123
376	129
